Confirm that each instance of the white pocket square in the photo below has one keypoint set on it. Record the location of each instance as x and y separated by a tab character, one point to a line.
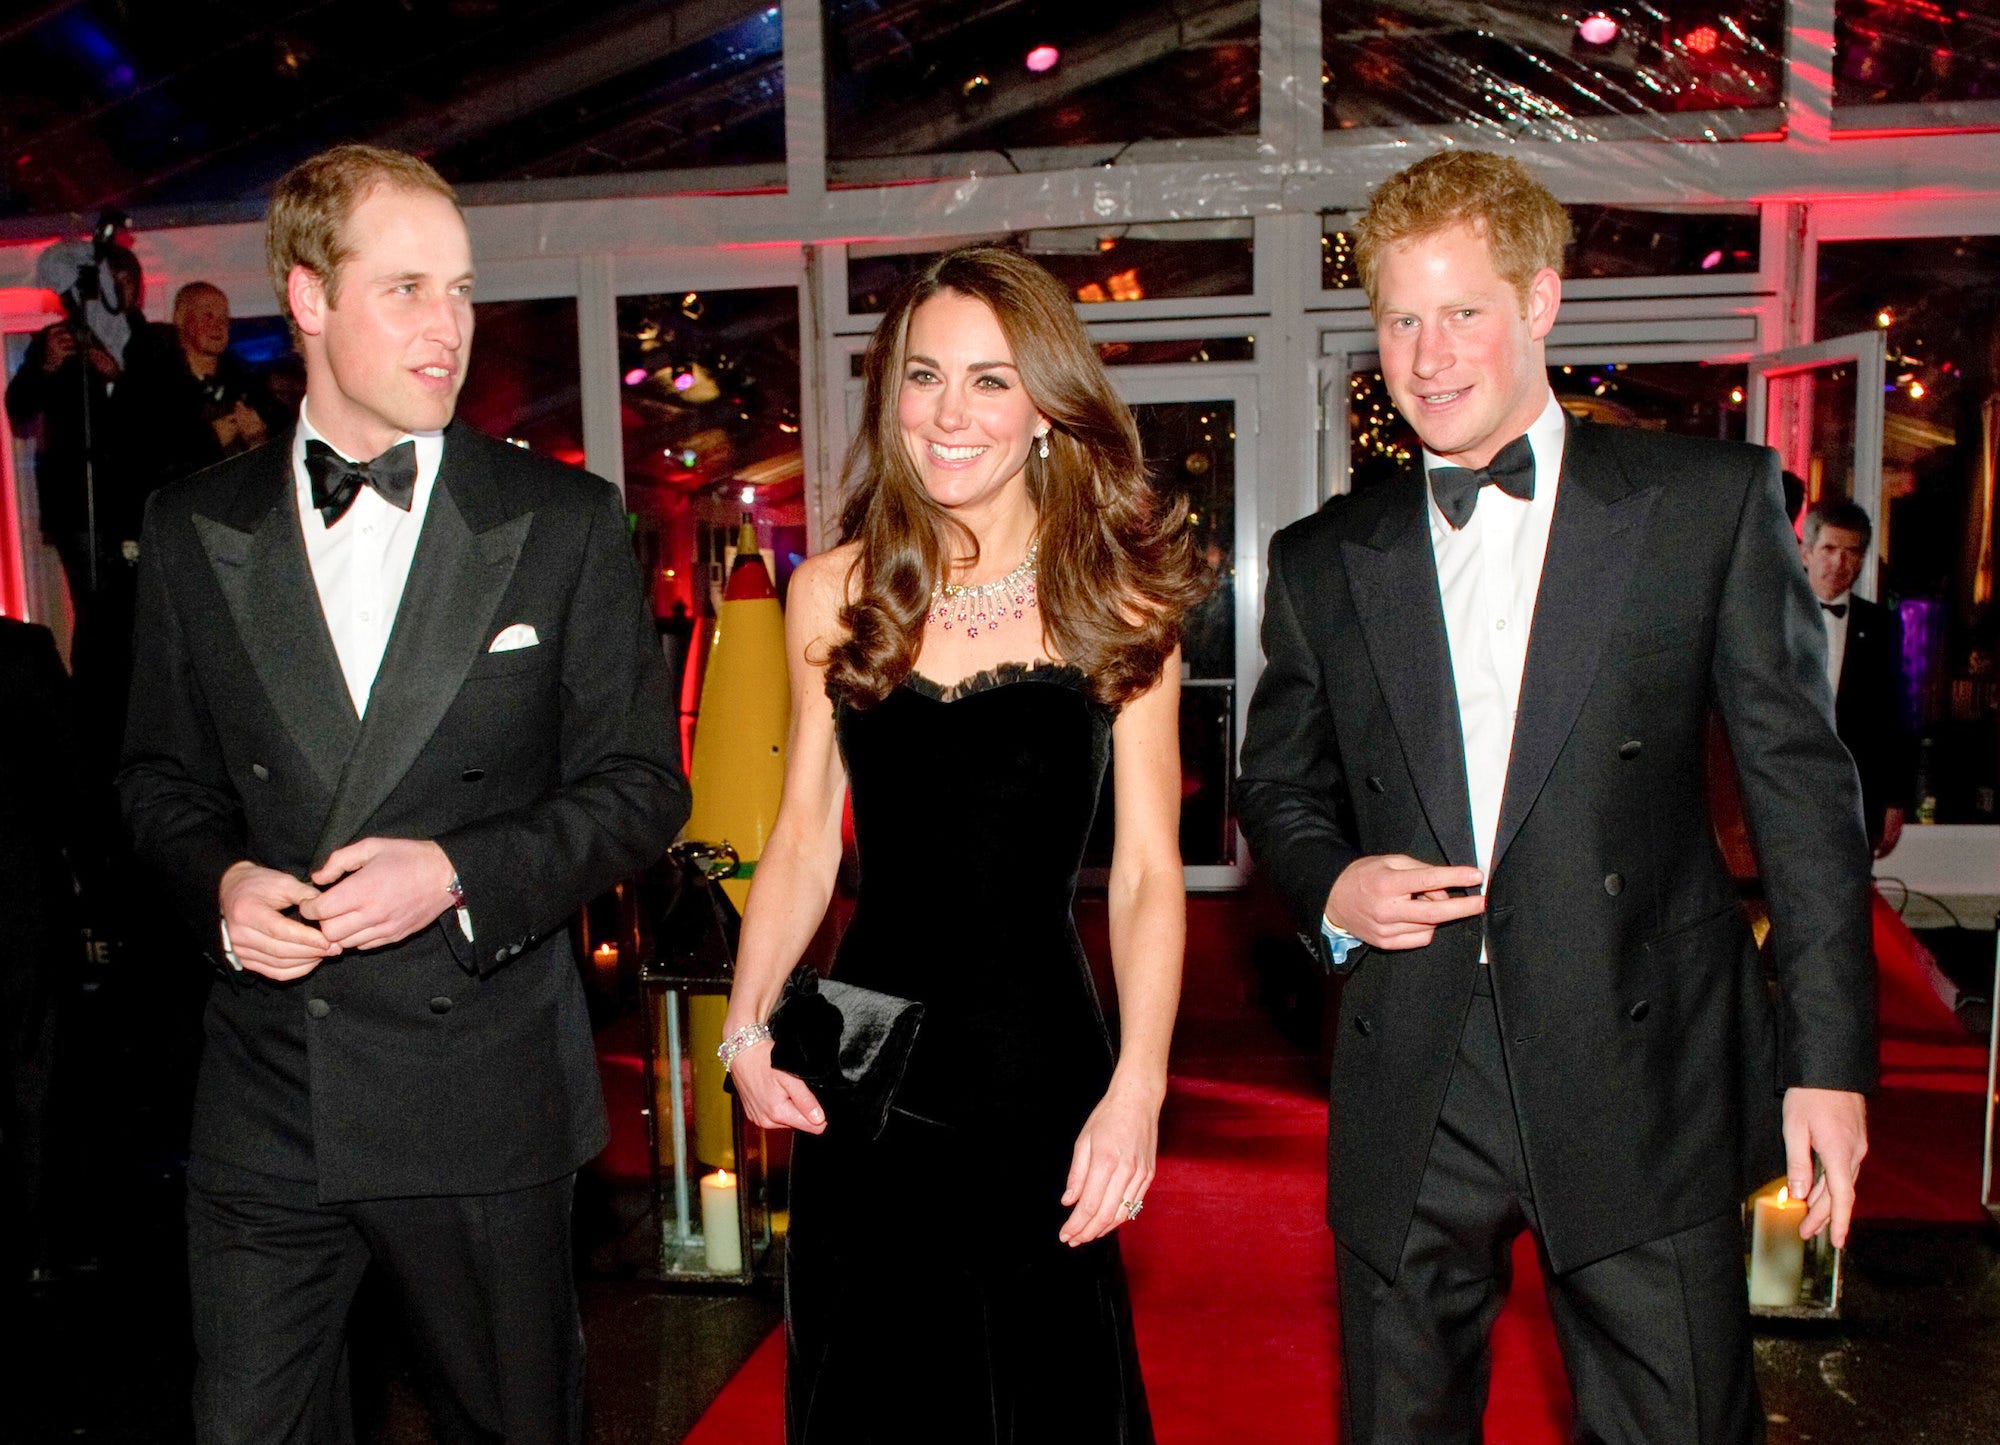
511	638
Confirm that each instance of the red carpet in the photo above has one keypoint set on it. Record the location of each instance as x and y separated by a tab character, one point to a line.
1232	1268
1232	1282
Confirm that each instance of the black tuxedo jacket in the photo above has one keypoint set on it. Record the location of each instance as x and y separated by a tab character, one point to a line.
437	1065
1646	1056
45	804
1868	709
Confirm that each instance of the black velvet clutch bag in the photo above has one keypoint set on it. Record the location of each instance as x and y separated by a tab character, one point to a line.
851	1045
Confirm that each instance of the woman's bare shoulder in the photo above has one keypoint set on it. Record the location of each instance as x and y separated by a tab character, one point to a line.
821	586
829	578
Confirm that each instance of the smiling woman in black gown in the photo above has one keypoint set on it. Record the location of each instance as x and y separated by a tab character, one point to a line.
999	627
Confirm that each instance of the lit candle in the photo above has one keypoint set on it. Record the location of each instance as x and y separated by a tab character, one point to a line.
722	1245
1777	1254
605	958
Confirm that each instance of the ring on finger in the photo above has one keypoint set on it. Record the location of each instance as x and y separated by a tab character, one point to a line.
1131	1208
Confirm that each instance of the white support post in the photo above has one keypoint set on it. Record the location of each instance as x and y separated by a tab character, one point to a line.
1809	74
597	347
805	105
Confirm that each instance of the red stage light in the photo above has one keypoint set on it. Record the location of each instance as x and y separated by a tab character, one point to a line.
1043	58
1597	29
1702	41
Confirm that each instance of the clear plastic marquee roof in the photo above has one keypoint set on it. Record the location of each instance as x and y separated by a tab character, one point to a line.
203	102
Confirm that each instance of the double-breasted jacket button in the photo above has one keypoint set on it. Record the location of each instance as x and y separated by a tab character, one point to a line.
318	1008
440	1005
261	773
1363	1027
1637	1013
1614	883
1629	749
472	775
1375	784
501	956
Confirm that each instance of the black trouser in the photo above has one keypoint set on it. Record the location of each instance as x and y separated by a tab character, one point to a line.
1656	1338
27	1062
485	1282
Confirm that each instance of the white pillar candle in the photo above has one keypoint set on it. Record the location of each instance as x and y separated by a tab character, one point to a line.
1777	1254
722	1243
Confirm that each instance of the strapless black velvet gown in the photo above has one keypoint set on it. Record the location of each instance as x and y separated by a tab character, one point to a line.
927	1297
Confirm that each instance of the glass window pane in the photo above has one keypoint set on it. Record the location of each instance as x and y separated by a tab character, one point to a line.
524	383
1097	264
1189	352
971	86
1191	448
1610	241
1911	52
1814	412
1535	71
1939	300
157	105
1688	397
710	393
1625	241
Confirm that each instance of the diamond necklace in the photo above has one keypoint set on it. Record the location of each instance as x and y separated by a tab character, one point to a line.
986	604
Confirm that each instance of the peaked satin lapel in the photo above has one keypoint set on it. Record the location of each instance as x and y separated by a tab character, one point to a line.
443	622
267	581
1394	576
1593	544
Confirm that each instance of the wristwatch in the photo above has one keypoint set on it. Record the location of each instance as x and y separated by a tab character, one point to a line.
457	891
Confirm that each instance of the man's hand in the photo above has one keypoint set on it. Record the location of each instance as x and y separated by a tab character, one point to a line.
1892	832
1391	900
102	362
58	346
1833	1124
262	938
392	887
249	426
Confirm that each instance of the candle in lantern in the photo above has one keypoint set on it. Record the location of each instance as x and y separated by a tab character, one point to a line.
605	959
722	1244
1777	1254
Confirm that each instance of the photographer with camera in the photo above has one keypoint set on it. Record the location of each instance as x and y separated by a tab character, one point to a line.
70	395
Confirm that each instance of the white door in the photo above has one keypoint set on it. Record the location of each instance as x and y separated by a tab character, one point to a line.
1198	425
1820	406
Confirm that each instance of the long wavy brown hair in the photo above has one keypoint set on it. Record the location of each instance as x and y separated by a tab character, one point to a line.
1116	558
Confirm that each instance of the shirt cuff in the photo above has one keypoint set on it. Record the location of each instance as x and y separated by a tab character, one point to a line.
1339	943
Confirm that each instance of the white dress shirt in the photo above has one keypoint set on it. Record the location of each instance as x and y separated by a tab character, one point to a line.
1836	636
359	564
1488	575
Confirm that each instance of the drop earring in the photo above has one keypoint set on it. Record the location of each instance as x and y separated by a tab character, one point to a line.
1044	449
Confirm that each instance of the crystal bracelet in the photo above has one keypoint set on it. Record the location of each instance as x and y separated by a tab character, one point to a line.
749	1036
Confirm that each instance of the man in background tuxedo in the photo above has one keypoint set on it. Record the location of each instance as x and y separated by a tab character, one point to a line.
1864	666
200	403
46	850
396	713
1473	766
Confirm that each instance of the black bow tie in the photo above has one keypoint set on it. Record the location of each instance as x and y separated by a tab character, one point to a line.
1457	488
336	481
1838	609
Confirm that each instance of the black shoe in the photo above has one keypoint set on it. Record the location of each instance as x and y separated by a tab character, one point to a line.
1975	1015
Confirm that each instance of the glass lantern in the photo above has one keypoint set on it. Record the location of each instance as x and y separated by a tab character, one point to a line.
711	1169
